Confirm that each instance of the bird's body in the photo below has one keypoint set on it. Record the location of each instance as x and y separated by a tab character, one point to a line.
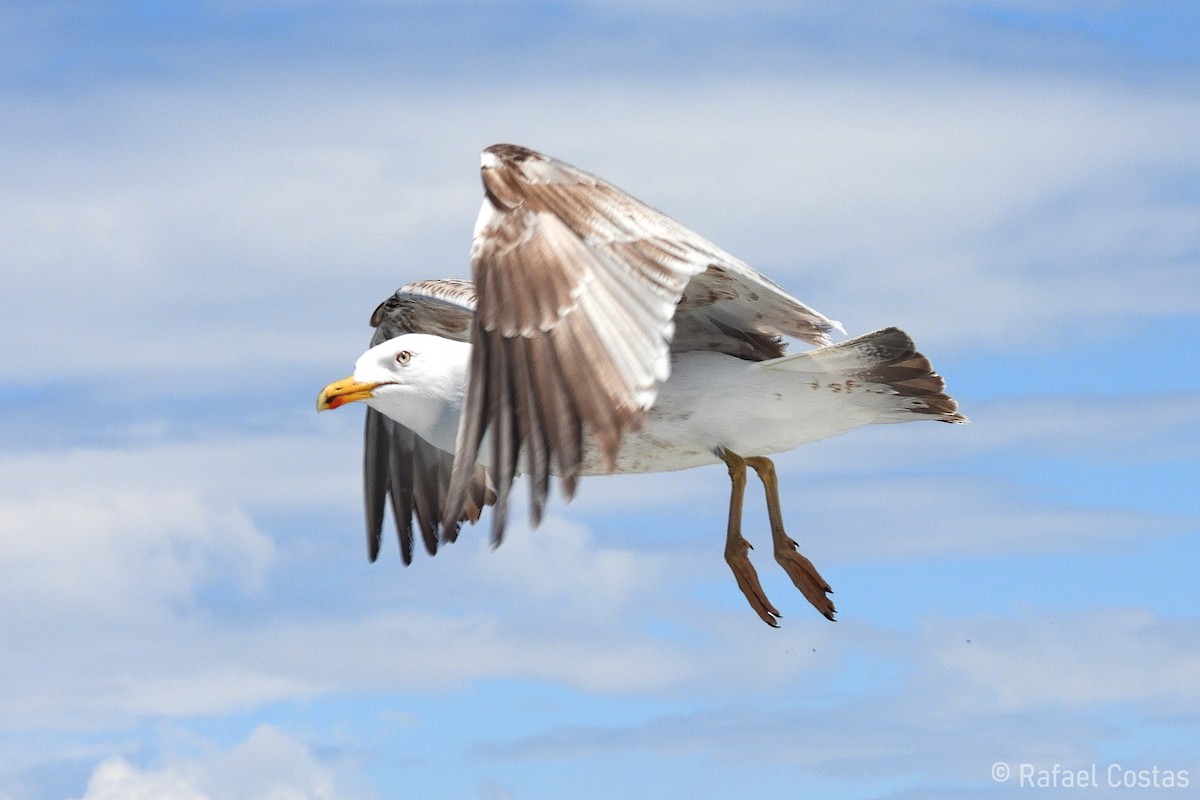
600	336
710	402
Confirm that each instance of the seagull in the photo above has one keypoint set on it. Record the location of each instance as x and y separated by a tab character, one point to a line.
600	336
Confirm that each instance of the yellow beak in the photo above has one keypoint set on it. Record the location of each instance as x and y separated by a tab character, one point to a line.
347	390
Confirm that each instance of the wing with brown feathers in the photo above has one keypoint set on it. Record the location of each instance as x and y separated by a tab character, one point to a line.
397	463
578	286
731	308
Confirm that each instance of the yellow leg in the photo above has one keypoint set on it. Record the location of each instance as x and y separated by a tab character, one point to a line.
799	569
736	547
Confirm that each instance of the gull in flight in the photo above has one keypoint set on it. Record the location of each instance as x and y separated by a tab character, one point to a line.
601	336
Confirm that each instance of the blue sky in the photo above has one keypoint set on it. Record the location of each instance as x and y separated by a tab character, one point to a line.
200	205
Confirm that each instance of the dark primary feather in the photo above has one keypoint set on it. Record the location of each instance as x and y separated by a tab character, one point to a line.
582	293
400	465
442	307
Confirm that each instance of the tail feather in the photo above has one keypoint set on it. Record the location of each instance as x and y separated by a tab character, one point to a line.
886	358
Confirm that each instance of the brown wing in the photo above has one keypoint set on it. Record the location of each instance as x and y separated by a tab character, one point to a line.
731	308
442	307
400	465
577	287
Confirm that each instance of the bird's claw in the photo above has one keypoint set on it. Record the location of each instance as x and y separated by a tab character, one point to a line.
747	581
805	576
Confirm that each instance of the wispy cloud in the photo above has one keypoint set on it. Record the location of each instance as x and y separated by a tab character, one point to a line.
141	544
977	690
989	209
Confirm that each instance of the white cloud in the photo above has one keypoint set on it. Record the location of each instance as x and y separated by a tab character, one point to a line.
559	565
212	229
116	779
112	552
311	467
139	578
110	562
120	552
886	518
1136	428
1096	659
962	692
268	765
148	526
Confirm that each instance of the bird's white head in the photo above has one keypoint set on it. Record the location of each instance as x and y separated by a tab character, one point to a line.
416	379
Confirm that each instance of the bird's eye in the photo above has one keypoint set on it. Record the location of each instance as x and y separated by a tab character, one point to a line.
403	357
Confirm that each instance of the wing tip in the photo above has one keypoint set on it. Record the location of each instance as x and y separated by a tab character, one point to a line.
497	155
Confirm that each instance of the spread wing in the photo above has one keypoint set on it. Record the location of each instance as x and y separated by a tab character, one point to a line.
731	308
578	285
396	462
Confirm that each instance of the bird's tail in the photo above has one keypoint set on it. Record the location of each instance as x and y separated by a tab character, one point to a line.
881	365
